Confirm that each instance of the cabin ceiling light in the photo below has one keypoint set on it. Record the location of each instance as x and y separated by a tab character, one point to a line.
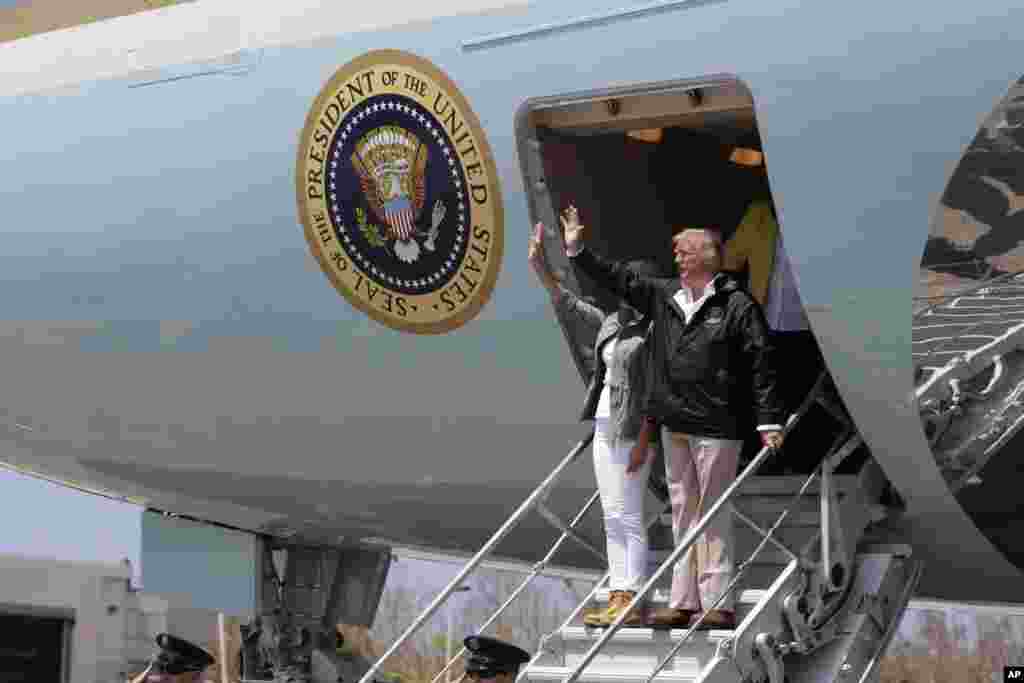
646	134
744	156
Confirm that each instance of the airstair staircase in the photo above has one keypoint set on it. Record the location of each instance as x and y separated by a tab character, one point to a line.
633	654
818	595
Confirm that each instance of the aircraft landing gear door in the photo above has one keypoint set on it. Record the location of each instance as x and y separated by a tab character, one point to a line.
34	648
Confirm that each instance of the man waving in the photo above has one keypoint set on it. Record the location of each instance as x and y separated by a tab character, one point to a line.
712	382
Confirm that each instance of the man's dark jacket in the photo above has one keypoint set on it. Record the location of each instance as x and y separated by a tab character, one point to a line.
710	377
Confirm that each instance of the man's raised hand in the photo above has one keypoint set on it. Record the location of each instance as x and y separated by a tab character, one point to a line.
572	229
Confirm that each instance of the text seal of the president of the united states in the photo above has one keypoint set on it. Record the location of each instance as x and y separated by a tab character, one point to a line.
399	195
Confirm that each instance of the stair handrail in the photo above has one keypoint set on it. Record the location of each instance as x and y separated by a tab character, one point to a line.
537	495
537	570
536	498
740	571
766	537
524	670
691	536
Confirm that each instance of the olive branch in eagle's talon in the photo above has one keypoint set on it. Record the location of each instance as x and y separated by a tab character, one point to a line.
371	232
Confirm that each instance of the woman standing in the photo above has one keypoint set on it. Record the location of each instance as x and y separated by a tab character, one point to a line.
622	449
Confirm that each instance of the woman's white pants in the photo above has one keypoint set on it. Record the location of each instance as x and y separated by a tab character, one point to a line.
622	497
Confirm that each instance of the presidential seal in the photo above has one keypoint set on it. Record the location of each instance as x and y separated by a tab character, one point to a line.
398	194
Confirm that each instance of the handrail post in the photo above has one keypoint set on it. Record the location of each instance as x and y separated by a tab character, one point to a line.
497	538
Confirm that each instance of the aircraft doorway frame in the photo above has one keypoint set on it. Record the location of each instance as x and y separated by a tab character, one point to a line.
689	97
717	115
531	163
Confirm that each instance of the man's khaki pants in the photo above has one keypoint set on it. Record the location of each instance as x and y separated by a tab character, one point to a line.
698	470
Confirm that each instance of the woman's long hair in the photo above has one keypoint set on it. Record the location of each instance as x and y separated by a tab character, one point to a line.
644	268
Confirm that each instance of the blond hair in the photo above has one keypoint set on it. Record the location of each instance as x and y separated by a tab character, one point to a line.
712	254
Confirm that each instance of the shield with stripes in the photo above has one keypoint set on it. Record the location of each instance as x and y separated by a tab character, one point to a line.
399	215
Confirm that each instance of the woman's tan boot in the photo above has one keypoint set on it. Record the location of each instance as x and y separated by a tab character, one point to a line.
617	602
599	617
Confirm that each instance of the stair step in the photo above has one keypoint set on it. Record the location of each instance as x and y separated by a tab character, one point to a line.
555	674
758	576
638	650
573	633
631	655
644	637
660	595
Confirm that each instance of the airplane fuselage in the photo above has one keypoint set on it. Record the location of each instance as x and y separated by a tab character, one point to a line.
169	336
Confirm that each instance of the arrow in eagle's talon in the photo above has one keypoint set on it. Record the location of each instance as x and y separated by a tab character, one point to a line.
436	218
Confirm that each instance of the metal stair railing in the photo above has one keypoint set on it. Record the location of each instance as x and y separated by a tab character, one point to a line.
535	500
767	536
695	533
525	670
538	569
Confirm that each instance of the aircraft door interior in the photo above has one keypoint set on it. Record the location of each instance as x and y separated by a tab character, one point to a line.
642	168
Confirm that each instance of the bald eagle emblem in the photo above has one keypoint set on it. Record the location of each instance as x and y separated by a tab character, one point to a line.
391	163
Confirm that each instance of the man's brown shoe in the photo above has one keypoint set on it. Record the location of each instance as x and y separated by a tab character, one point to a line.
718	620
634	618
670	617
